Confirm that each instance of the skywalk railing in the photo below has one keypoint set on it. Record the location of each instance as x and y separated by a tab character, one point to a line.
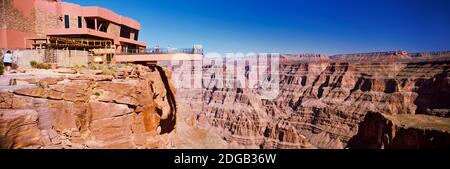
160	51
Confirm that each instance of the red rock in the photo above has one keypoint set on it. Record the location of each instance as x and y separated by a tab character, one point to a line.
323	100
6	100
404	131
19	129
89	111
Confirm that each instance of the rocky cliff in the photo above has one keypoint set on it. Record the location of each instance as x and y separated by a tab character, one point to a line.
402	131
134	110
322	100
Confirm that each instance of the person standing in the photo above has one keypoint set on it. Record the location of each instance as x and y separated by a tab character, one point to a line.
7	60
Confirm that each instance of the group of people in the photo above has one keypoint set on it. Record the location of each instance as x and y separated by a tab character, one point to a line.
8	61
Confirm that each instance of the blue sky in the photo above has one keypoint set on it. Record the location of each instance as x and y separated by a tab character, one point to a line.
290	26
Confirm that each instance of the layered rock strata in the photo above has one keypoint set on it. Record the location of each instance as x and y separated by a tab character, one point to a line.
403	131
322	100
89	111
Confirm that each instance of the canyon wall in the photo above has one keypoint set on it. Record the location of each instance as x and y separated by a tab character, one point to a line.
403	131
322	100
134	109
393	100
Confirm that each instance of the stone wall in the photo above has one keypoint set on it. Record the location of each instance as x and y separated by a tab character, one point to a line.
15	19
21	23
25	56
65	58
45	20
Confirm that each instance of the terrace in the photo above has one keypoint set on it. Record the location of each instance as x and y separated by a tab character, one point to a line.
160	54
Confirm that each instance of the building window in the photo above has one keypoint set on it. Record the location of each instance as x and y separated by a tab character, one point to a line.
136	34
125	32
90	23
80	23
102	25
66	21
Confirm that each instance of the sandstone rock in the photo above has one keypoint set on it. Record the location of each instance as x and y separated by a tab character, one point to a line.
19	129
99	110
22	102
66	71
6	100
124	93
92	77
77	92
50	80
89	111
46	141
33	92
18	82
87	71
324	100
68	115
45	80
113	132
403	131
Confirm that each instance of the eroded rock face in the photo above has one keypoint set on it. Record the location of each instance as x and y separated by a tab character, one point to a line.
19	129
90	111
404	131
322	100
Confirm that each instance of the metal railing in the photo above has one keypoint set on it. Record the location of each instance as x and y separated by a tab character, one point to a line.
160	51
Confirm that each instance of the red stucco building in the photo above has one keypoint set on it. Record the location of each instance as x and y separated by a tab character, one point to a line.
33	23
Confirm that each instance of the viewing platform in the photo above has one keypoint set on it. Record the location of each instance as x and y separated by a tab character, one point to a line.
160	54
